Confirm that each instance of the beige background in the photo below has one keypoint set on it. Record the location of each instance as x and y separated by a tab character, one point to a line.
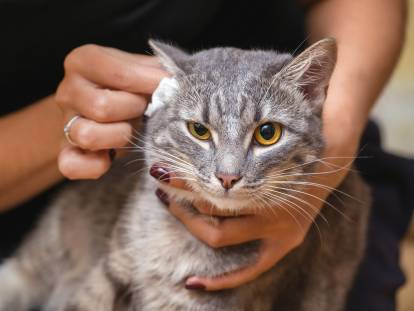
395	114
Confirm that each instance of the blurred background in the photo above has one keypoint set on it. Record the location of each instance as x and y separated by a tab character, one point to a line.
395	114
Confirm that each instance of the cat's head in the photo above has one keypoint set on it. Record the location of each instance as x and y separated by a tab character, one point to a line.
241	127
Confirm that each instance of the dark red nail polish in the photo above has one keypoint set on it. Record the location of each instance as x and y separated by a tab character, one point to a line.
112	154
160	173
162	196
195	286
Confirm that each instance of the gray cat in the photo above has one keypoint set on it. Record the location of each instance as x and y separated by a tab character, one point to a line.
243	128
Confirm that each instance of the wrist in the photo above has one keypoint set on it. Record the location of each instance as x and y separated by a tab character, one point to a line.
343	125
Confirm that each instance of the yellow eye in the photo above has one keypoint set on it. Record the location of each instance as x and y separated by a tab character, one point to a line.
268	133
198	130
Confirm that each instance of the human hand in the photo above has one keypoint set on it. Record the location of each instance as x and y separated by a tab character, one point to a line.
280	233
107	88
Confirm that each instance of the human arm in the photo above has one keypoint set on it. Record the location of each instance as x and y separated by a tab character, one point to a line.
106	86
370	36
29	144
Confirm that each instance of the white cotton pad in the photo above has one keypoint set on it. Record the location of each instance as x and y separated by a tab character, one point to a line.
165	90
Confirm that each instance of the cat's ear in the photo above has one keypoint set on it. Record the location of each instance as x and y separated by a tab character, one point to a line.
311	71
171	57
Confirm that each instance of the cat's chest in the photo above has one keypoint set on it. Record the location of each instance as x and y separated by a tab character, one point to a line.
160	241
164	247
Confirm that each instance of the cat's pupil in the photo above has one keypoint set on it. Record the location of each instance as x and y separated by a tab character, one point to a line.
200	129
267	131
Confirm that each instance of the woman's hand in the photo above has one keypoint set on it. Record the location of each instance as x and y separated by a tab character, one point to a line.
280	233
108	88
355	85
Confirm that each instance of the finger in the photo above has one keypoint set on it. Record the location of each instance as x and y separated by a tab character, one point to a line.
147	60
75	163
269	253
220	233
94	136
102	105
163	173
110	69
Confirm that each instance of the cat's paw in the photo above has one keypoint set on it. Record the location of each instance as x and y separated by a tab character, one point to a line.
16	291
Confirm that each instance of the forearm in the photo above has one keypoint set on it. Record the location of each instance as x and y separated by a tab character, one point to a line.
369	35
29	187
29	144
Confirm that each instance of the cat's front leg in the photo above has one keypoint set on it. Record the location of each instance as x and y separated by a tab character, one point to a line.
20	289
97	292
104	284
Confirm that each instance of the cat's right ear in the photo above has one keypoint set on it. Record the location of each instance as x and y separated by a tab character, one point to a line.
171	57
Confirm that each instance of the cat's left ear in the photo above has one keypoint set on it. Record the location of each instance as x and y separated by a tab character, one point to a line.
311	71
171	57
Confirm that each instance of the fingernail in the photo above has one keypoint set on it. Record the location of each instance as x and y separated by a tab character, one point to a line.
160	173
162	196
195	286
112	154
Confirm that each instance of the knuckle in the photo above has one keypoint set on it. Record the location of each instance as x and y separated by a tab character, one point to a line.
90	48
62	95
215	239
67	168
126	132
101	108
85	137
297	239
101	167
73	59
76	57
203	209
122	78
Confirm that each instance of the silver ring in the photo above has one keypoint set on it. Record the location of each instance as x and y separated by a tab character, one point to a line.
66	130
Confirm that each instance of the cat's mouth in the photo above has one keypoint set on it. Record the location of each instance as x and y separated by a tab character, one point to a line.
233	199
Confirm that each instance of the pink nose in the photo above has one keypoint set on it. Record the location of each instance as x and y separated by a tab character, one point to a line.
228	180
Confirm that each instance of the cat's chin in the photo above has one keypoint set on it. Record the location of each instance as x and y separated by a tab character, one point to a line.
230	202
